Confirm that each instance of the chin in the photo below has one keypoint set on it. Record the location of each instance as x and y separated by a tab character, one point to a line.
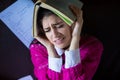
63	46
59	46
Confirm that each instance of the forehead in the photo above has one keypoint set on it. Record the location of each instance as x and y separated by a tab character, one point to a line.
50	20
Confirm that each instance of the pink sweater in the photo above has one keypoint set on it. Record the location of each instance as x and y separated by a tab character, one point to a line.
90	52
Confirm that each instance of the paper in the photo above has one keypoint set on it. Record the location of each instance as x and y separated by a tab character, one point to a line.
18	18
28	77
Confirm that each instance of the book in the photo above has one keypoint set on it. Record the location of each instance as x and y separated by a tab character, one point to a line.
59	7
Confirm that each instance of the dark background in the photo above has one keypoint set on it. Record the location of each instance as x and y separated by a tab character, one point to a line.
101	19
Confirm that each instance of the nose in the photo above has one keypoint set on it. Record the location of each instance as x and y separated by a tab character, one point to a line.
54	33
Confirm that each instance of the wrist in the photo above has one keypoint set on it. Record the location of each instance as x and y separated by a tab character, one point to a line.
74	43
52	52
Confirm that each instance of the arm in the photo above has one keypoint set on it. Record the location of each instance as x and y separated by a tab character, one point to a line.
91	52
39	57
86	67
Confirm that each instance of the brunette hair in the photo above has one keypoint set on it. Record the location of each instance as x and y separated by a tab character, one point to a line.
42	13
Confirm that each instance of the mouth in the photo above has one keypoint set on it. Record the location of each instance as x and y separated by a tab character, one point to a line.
59	41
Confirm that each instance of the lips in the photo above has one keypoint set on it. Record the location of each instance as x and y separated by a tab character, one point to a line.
59	41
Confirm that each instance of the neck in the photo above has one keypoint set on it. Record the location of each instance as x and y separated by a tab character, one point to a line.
66	48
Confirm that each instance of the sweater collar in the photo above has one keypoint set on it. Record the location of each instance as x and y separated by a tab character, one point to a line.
59	51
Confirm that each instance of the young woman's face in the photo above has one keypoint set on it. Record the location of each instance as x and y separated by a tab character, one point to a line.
57	31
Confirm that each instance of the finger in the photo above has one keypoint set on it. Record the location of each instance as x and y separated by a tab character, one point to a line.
41	40
80	18
75	10
73	25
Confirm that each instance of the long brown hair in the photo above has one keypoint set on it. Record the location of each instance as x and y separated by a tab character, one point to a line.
42	13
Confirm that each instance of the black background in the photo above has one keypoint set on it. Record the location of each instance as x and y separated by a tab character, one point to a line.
101	19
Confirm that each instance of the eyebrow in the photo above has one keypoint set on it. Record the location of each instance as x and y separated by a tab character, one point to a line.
55	24
58	23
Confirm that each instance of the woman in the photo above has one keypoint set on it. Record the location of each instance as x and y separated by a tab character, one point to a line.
60	52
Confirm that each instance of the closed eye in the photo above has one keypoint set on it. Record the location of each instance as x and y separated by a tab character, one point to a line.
60	26
46	30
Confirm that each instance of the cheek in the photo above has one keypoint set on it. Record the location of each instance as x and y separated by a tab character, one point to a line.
68	32
48	37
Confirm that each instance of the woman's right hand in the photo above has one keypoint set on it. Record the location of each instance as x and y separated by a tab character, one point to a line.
49	46
44	41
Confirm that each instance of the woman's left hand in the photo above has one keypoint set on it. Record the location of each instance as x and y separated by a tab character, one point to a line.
77	27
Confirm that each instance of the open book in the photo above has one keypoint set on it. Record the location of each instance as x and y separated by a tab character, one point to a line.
59	7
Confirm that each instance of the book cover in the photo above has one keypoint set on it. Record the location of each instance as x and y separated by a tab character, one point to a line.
59	7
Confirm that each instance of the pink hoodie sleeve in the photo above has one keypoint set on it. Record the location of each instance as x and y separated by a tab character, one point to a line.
39	59
90	52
